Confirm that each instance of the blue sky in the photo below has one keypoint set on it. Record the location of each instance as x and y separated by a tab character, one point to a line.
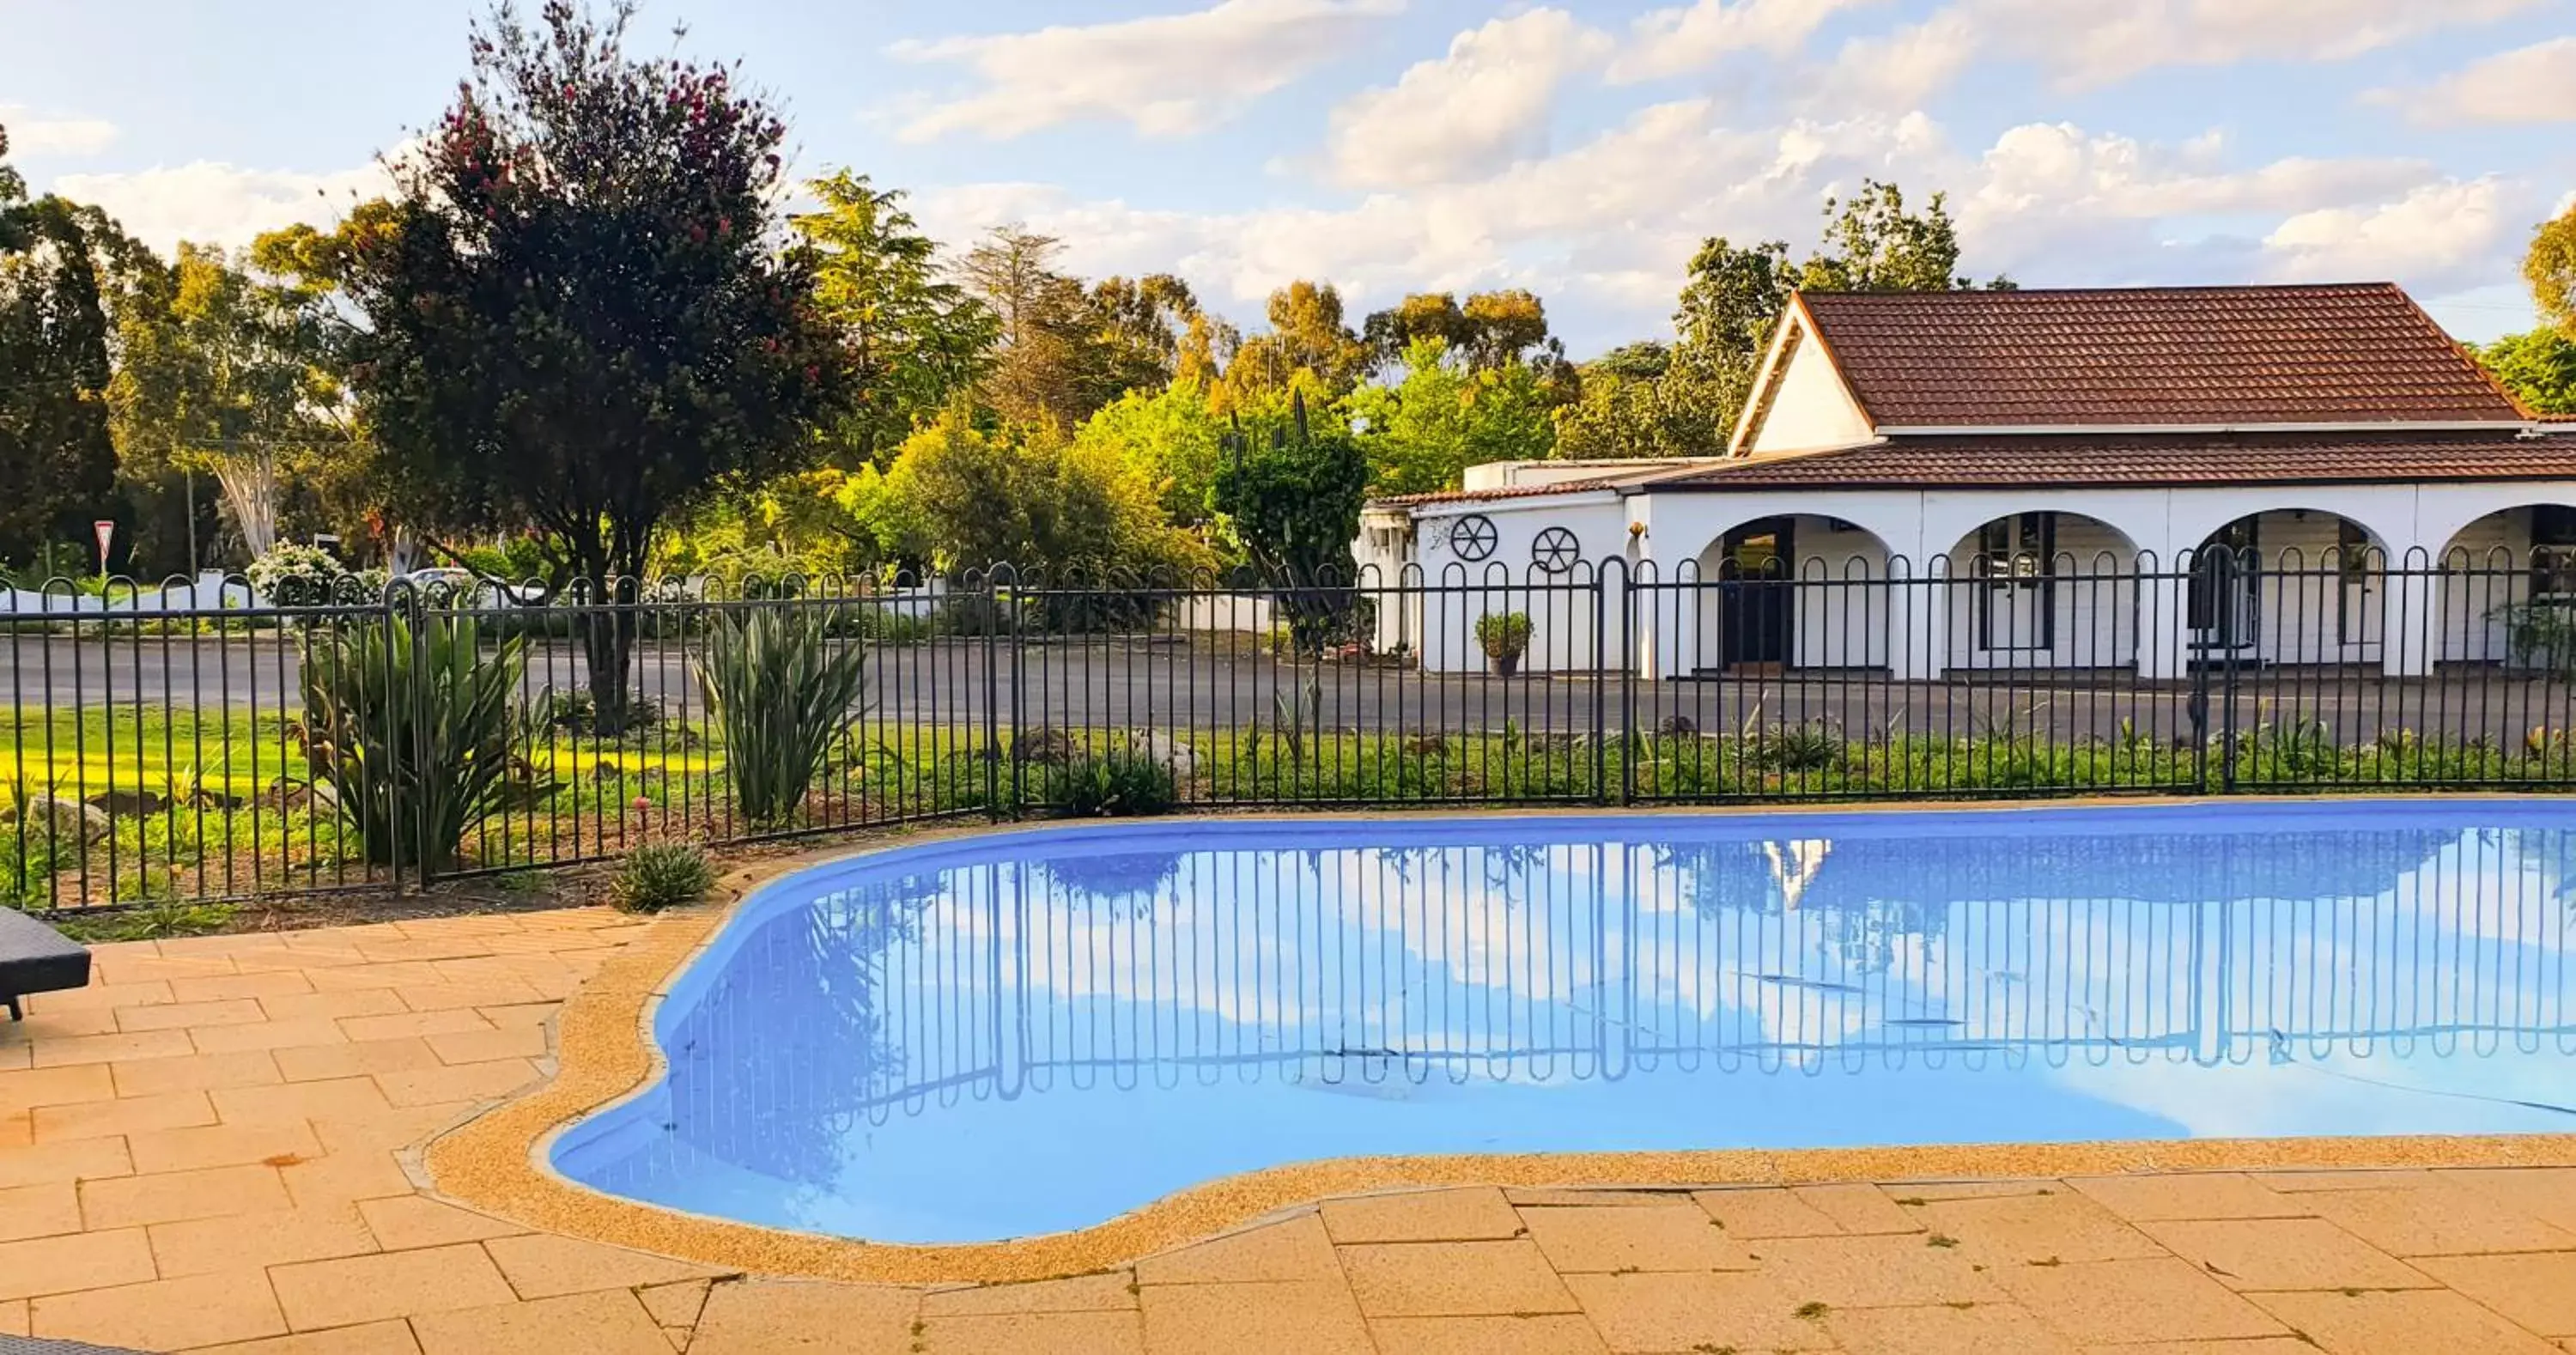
1578	149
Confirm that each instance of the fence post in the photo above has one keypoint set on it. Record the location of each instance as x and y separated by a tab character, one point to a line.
993	753
2240	585
402	602
1600	698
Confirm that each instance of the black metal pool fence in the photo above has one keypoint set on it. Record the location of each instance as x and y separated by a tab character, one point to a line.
197	742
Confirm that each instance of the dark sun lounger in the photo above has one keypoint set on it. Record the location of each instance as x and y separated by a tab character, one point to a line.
34	958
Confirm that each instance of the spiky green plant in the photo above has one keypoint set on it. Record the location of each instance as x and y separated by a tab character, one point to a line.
411	729
783	694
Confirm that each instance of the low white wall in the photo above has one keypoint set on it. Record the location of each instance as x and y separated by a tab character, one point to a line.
210	592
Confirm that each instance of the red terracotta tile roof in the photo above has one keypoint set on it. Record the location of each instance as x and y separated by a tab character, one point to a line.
2342	353
1440	496
1971	461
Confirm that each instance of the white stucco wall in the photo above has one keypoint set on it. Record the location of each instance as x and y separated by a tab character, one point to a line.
1811	408
1451	594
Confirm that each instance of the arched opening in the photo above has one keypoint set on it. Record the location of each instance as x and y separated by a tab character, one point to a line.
1791	590
2042	589
2287	586
2505	589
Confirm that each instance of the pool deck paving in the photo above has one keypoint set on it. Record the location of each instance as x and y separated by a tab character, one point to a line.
218	1146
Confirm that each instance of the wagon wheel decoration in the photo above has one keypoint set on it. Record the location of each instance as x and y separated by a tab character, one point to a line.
1472	537
1555	550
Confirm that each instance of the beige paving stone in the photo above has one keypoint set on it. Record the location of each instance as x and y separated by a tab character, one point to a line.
78	1049
1678	1236
1672	1311
384	975
220	1145
1439	1279
328	1005
1859	1208
40	1209
339	1098
1766	1211
1915	1193
405	1221
194	1073
303	1032
792	1317
2002	1229
2535	1289
2283	1254
1536	1334
2188	1195
457	1082
13	1317
2163	1299
542	1265
2438	1220
72	1160
394	1127
521	1016
1880	1270
1586	1197
478	1046
448	996
1468	1213
2261	1345
350	1290
356	1058
1311	1317
2306	1179
675	1305
18	1130
209	1246
345	1177
170	1314
123	1115
396	1025
373	1338
1115	1289
2546	1193
30	1088
610	1323
218	987
2399	1322
1980	1329
63	1025
1291	1249
237	1011
56	1265
171	1197
1095	1333
142	994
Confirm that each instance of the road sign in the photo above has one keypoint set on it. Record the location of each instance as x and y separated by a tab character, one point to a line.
106	533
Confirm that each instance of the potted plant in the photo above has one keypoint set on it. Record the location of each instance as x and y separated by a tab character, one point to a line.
1505	636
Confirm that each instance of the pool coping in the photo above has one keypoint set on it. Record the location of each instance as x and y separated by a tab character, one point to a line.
606	1053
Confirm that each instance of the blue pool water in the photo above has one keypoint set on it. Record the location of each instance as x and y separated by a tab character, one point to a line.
1037	1031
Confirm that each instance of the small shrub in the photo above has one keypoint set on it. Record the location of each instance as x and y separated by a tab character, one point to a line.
290	575
412	729
784	694
1504	636
1800	748
577	711
661	875
1115	784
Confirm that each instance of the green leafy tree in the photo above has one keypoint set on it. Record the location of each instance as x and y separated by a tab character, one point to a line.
1290	492
1036	500
1046	370
577	314
1309	346
226	373
913	337
1141	326
2538	367
57	455
2550	267
1173	435
1490	330
1447	414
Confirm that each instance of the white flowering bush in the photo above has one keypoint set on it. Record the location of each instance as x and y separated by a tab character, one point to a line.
298	576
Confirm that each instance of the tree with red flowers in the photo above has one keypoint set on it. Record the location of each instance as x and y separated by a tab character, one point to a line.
581	312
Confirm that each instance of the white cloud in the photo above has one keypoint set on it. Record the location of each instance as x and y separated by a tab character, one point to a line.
31	135
1480	107
1168	75
2534	84
1899	70
2440	235
213	203
2095	42
1684	38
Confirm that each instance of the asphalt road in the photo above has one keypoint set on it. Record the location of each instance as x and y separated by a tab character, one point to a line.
1196	686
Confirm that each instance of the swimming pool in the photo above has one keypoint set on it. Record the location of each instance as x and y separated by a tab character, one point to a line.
1033	1031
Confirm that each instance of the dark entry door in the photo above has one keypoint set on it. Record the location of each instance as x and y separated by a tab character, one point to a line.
1757	601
